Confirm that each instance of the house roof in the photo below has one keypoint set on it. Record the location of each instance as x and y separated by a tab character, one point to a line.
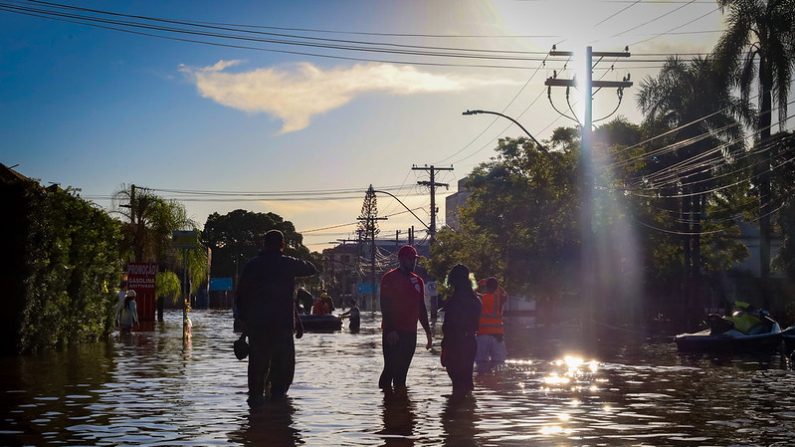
7	174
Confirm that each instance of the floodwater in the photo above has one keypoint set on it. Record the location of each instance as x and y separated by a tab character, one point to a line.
147	389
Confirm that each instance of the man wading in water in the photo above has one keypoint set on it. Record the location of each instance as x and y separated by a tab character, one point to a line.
267	310
402	305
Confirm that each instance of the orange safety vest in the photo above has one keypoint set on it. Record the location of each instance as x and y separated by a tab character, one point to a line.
491	314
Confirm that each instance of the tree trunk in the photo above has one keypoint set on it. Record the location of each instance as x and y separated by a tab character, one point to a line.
763	179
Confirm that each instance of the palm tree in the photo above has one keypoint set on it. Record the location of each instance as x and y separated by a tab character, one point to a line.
694	99
152	222
759	43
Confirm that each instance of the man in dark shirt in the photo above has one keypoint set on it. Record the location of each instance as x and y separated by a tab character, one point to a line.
402	305
267	311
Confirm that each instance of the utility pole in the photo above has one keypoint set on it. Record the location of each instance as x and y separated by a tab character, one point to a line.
589	288
370	228
433	184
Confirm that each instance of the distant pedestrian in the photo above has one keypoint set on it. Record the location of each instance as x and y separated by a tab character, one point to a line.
491	341
354	318
268	314
123	287
402	305
461	320
128	313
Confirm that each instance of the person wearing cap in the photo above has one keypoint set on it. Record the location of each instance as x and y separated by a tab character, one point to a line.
128	313
402	305
461	321
268	315
491	343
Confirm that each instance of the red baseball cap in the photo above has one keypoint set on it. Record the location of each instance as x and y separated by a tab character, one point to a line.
407	251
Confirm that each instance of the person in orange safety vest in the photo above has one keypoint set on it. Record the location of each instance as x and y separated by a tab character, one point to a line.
491	344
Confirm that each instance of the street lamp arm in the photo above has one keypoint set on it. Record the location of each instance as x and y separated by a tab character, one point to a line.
407	208
540	146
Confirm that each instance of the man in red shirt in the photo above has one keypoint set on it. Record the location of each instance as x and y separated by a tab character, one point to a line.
402	305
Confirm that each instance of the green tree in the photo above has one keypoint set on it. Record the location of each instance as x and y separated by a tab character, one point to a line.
519	219
783	186
692	102
64	262
759	44
236	237
148	225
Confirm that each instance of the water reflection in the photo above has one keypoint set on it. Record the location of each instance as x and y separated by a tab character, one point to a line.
458	421
398	416
148	389
271	424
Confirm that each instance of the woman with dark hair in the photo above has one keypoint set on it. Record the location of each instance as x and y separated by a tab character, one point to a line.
461	318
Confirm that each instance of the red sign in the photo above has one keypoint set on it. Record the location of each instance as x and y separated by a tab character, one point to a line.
141	278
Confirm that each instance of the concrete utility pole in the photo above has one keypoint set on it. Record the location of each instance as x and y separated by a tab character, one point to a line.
588	284
371	229
432	169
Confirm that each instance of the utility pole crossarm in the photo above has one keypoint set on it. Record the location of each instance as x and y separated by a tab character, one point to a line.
432	184
554	82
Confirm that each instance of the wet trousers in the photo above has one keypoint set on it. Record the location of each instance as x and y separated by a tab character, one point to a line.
459	359
271	360
397	359
491	351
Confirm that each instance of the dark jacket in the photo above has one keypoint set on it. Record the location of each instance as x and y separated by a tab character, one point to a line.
264	296
461	315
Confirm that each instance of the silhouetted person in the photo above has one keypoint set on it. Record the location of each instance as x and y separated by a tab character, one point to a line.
268	315
461	320
402	305
355	318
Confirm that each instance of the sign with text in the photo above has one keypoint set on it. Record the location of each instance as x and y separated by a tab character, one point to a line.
366	288
220	283
141	278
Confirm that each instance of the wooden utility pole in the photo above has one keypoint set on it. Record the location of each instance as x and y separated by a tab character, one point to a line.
432	184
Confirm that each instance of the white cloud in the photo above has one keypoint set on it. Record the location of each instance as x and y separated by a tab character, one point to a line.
301	91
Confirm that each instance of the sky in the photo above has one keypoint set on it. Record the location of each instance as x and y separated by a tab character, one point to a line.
292	110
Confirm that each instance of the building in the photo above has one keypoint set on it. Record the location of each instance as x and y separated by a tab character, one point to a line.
348	269
454	202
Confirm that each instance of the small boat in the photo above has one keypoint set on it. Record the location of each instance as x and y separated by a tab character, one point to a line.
748	330
321	323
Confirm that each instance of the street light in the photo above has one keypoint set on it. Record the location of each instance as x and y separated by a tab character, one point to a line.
540	146
404	206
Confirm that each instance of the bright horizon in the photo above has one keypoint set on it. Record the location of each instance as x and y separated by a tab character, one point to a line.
95	108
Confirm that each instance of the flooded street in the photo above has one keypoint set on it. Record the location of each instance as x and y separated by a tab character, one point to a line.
145	389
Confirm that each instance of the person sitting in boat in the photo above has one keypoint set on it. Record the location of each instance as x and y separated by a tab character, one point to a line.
323	306
353	314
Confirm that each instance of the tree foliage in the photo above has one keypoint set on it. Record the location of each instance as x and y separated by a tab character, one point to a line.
691	182
148	227
64	264
519	219
237	236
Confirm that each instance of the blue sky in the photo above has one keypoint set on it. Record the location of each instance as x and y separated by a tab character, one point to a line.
95	108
